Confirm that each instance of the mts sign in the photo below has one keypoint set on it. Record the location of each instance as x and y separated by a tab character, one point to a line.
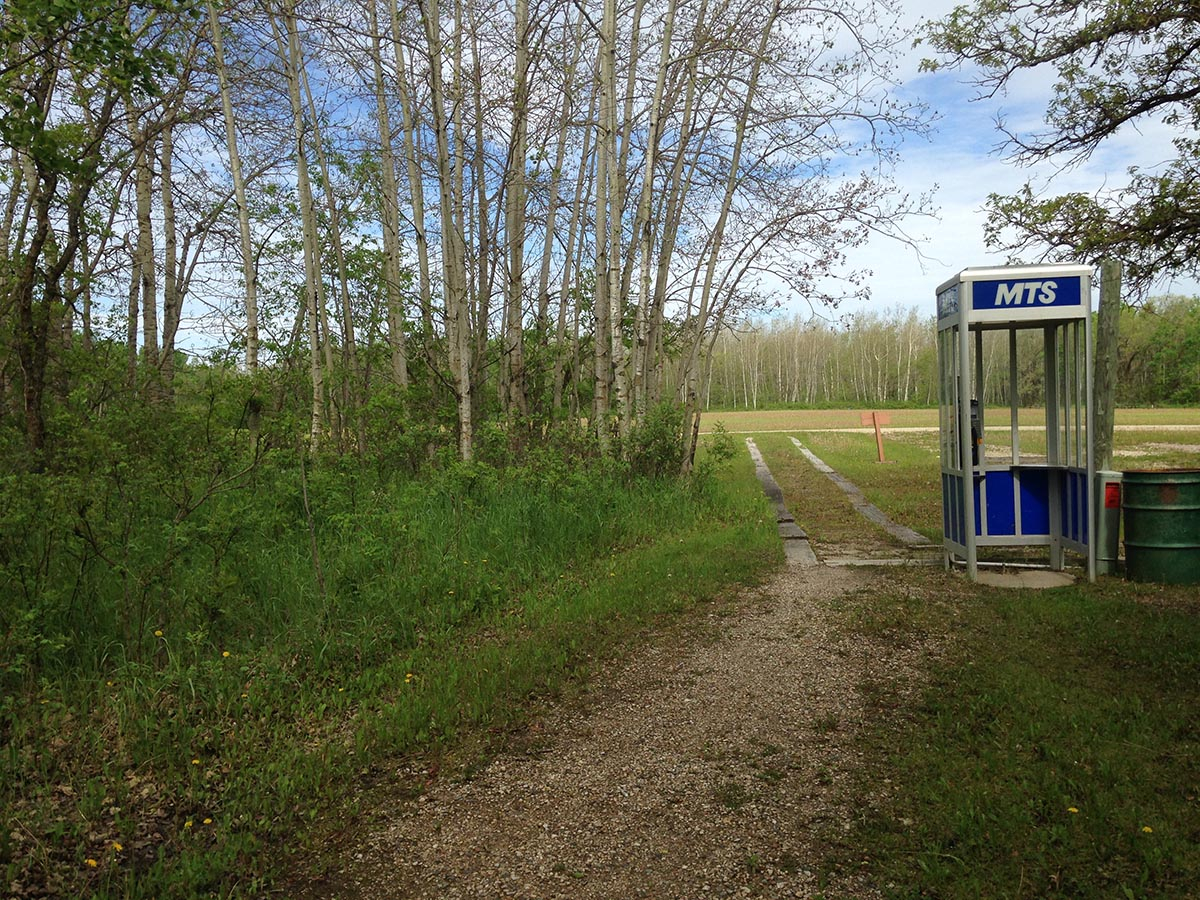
1016	293
1023	294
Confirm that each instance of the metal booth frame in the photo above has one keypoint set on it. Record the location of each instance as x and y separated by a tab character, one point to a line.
1017	502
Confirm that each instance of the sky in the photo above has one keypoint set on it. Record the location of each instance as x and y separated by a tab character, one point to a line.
961	158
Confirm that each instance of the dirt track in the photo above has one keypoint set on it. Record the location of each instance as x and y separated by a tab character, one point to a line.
718	761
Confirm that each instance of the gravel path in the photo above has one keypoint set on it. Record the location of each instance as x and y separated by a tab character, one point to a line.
714	762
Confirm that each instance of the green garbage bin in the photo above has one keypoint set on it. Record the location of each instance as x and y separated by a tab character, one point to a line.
1162	525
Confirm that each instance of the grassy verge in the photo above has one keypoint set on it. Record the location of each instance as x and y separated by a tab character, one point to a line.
1156	450
1056	750
742	420
254	697
818	504
907	487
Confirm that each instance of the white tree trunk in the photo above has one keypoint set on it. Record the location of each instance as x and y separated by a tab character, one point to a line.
416	187
249	272
513	357
389	216
289	51
643	228
453	251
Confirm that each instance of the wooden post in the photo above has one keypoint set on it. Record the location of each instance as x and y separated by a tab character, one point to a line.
1104	388
877	419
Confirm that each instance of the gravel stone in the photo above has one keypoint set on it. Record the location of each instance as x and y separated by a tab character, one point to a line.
709	764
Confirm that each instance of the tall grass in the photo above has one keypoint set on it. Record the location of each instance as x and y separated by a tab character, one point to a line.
201	653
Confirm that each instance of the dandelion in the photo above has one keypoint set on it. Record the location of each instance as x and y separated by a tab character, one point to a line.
208	821
109	683
225	654
158	632
408	677
195	762
341	690
1072	809
91	862
449	592
187	824
245	695
1147	829
117	846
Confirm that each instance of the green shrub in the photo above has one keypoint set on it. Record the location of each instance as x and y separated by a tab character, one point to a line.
721	445
655	446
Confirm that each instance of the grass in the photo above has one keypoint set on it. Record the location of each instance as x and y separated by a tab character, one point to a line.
211	755
751	421
1156	450
221	753
1054	752
1054	749
907	487
816	502
731	795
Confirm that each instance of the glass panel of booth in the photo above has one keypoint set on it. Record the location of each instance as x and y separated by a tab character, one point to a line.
948	398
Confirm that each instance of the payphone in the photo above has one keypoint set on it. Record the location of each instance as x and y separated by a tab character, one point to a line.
1017	500
976	432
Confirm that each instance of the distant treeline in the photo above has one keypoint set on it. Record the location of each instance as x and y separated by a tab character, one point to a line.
890	358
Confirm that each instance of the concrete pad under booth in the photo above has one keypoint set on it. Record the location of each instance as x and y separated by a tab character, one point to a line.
1026	578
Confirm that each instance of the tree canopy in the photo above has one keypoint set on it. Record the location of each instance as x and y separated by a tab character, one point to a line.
1118	64
529	211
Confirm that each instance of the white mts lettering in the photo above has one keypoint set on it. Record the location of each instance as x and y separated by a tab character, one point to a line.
1010	294
1023	292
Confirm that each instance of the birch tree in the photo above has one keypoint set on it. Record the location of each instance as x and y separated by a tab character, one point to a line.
513	356
716	239
692	170
449	176
643	226
606	212
290	56
246	244
572	257
389	206
412	163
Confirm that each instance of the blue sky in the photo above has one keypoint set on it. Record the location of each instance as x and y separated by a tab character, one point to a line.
962	160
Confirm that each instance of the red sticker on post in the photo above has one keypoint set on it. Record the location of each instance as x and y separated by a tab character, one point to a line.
1112	495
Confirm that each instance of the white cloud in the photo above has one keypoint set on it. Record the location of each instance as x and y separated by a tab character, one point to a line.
962	159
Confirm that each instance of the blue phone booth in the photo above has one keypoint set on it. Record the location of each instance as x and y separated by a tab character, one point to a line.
1016	499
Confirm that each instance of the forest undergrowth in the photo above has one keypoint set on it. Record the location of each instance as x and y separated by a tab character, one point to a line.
210	633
